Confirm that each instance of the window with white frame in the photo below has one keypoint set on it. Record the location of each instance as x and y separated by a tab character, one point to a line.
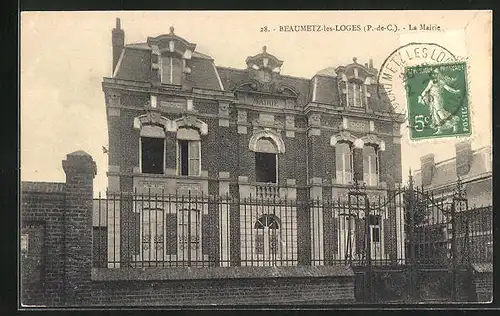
189	232
370	165
355	94
152	149
343	162
171	70
188	152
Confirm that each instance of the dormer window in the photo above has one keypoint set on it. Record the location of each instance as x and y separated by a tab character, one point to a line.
171	70
355	94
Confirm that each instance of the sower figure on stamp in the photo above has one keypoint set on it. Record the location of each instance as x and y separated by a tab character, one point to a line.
432	96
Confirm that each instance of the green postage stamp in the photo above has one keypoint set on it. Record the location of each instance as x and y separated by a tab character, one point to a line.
437	100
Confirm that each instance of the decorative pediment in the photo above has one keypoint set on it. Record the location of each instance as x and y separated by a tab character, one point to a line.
264	60
372	139
172	44
356	72
254	85
344	136
266	133
152	117
192	122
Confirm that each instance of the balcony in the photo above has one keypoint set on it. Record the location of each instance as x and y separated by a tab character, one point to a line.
267	191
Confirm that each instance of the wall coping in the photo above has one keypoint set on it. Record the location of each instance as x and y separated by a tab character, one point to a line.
42	187
186	273
485	267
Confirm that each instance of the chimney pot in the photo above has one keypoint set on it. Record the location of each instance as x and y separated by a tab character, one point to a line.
118	42
463	157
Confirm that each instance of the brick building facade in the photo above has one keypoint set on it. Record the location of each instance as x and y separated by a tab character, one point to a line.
179	124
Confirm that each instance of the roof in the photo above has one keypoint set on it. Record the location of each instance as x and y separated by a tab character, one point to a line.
327	72
232	77
135	64
445	171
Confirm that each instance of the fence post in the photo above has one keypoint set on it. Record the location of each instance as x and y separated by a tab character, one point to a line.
80	170
453	252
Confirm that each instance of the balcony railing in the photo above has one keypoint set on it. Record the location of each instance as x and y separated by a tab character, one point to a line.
267	191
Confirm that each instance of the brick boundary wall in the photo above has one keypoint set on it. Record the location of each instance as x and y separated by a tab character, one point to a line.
482	282
281	291
64	211
42	206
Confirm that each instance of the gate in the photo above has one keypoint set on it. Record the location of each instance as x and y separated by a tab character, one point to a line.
414	247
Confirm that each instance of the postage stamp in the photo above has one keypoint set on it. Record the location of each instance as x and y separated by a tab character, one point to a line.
437	100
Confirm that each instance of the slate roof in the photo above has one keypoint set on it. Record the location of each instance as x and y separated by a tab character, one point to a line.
231	77
135	64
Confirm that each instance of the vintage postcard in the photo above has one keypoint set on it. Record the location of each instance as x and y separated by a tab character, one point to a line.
272	158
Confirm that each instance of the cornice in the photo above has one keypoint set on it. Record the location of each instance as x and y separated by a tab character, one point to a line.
145	87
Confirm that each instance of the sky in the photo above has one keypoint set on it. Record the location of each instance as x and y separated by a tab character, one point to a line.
65	55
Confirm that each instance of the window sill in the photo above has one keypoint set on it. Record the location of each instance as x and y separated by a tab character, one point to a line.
169	176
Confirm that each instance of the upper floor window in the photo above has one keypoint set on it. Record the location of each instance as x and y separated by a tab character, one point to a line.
370	165
189	152
355	94
266	161
344	162
171	70
152	149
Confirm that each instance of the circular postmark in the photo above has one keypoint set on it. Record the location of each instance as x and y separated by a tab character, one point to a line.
430	82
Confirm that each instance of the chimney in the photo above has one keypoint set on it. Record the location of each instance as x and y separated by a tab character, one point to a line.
427	169
463	160
370	63
118	41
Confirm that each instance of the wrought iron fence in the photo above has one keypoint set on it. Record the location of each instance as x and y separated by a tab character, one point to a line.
406	226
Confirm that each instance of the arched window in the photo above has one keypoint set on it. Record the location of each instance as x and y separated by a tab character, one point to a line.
370	165
266	160
266	238
343	162
189	152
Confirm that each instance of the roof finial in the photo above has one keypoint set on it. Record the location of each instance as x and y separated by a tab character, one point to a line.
264	49
172	30
354	59
118	24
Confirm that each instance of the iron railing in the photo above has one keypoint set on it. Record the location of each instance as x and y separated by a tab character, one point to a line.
406	226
